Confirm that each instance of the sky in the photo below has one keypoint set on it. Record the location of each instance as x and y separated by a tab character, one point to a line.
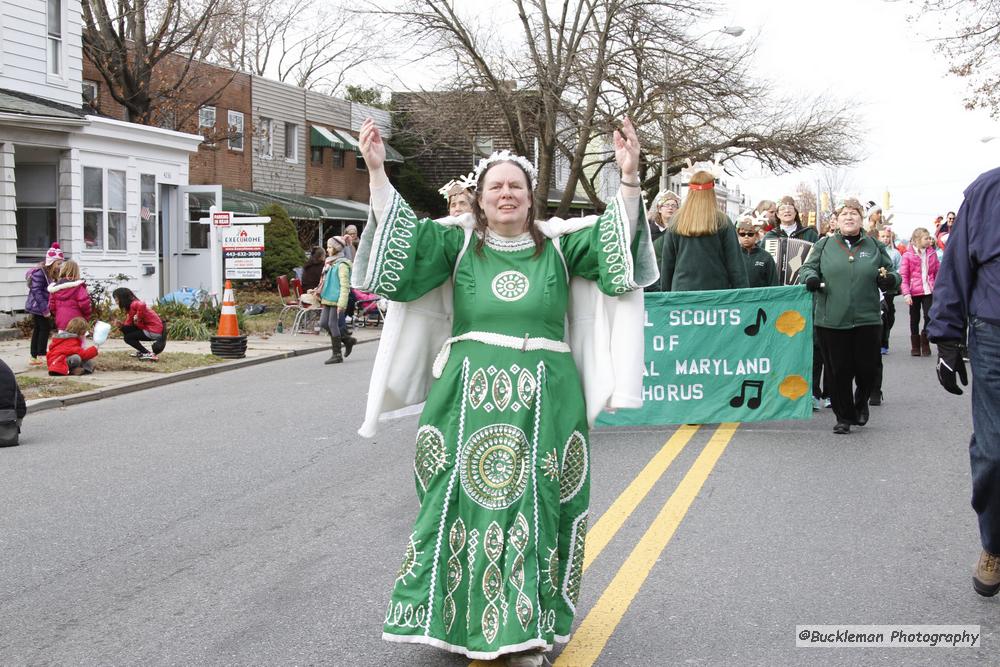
922	145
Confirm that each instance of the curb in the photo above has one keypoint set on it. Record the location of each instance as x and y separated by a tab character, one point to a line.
40	404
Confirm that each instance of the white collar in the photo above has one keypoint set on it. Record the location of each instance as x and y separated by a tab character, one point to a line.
522	241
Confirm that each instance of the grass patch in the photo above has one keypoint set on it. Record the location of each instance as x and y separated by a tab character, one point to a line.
169	362
50	387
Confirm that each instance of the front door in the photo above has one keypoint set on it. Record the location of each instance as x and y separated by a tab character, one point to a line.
189	251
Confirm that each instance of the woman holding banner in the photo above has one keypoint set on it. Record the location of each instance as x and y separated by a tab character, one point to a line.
846	271
700	248
494	562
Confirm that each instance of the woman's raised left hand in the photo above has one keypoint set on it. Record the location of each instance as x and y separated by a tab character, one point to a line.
627	149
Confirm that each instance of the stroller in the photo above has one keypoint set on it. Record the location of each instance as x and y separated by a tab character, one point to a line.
369	309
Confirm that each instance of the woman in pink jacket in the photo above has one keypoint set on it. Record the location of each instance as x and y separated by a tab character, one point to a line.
68	297
918	269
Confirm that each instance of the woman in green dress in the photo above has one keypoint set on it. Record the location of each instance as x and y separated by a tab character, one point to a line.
502	461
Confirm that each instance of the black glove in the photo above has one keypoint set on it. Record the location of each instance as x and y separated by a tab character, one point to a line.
949	364
812	283
886	282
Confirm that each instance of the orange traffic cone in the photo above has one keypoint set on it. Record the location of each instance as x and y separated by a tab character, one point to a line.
228	324
228	343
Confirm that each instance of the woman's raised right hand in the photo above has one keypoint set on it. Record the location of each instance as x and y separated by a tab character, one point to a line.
372	148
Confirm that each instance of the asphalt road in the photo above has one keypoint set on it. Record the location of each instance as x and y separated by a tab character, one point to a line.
238	519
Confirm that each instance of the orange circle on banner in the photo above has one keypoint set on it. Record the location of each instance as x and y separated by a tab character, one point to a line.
794	387
790	323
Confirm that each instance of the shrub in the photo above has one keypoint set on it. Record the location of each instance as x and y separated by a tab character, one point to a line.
282	251
100	290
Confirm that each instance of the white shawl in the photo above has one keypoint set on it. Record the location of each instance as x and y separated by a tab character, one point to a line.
604	333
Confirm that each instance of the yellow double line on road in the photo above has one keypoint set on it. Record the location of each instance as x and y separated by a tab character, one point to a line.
599	624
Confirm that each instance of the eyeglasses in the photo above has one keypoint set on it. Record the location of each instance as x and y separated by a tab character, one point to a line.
747	233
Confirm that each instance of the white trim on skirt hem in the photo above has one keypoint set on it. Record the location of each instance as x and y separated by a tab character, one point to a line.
475	655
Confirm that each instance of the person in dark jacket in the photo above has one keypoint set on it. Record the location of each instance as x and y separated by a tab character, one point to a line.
700	248
967	295
12	407
854	267
789	224
312	271
761	269
37	304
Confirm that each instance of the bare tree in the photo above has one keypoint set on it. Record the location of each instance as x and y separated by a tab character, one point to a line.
805	199
583	64
146	52
835	183
302	42
967	33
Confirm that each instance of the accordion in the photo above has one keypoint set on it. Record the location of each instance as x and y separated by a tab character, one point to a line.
789	255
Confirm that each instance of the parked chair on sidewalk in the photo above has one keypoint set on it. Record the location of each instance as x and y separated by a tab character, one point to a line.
307	319
289	301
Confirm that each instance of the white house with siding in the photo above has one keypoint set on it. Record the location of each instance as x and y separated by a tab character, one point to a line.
109	192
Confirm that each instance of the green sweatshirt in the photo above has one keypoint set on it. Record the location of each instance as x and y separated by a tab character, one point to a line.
696	263
850	296
761	269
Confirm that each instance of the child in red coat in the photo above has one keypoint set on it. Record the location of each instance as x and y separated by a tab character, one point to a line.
67	355
141	324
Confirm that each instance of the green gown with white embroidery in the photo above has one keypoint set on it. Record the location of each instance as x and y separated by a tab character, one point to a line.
502	462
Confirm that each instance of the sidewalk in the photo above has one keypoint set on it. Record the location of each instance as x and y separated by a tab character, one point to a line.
259	350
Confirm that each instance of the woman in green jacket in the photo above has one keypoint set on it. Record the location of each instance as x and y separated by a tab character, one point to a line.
846	271
700	248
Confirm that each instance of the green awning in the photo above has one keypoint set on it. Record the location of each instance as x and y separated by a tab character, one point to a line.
252	203
391	154
331	208
320	137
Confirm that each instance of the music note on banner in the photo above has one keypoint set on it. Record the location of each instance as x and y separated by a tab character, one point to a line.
754	328
754	401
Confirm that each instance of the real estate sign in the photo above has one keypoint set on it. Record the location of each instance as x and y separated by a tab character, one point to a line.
242	251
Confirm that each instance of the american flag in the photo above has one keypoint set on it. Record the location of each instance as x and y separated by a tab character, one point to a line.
145	213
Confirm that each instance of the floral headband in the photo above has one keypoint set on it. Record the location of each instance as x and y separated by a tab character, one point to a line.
507	156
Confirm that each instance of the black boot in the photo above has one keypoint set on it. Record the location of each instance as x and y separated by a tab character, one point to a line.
349	343
335	357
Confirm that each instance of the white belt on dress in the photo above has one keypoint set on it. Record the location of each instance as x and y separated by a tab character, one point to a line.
500	340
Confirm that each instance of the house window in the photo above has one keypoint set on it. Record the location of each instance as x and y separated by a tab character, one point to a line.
206	117
266	138
359	163
197	232
481	147
147	211
93	208
235	131
337	158
103	209
90	93
291	142
55	31
316	156
35	215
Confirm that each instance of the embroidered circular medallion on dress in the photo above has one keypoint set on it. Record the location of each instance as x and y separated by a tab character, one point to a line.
494	470
510	285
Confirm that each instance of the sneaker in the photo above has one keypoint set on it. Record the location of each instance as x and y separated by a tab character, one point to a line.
34	361
885	350
986	579
526	659
147	356
817	404
826	403
842	428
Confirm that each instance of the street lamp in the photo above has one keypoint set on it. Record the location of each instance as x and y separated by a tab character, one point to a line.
732	31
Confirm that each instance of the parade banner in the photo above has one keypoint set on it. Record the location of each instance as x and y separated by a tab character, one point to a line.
725	356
